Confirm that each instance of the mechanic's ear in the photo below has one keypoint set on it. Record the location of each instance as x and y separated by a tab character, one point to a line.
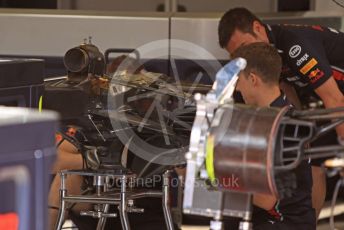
259	31
256	27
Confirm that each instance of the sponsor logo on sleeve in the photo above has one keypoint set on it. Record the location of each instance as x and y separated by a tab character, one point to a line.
314	75
309	65
302	59
295	51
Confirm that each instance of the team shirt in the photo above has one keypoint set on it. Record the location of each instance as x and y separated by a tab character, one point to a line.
295	211
310	55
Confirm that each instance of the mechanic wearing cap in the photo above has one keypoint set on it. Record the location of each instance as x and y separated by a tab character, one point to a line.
313	63
259	85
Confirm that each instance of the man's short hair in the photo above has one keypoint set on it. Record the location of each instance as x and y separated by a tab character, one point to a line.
262	59
236	18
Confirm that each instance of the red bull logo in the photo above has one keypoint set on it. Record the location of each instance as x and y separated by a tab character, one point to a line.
314	75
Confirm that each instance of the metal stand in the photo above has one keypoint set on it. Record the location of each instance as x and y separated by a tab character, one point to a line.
245	223
122	208
102	219
62	210
216	225
123	199
166	201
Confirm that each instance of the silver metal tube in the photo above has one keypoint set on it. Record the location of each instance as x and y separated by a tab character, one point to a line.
98	182
109	200
216	225
245	225
146	194
123	205
333	202
93	200
248	215
63	193
102	220
166	201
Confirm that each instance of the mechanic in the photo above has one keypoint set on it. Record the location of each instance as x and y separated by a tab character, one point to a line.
259	85
313	64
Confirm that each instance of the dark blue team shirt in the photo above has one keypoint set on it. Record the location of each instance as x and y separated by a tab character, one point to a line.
295	211
310	55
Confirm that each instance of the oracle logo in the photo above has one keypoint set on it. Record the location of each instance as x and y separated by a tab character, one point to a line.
295	51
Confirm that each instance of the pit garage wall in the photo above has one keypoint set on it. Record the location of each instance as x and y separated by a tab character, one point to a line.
189	5
49	34
171	5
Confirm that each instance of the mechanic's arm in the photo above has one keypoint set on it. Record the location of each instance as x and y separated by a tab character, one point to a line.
332	98
68	157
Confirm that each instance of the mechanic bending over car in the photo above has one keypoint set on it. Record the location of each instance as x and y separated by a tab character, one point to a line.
313	67
258	84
